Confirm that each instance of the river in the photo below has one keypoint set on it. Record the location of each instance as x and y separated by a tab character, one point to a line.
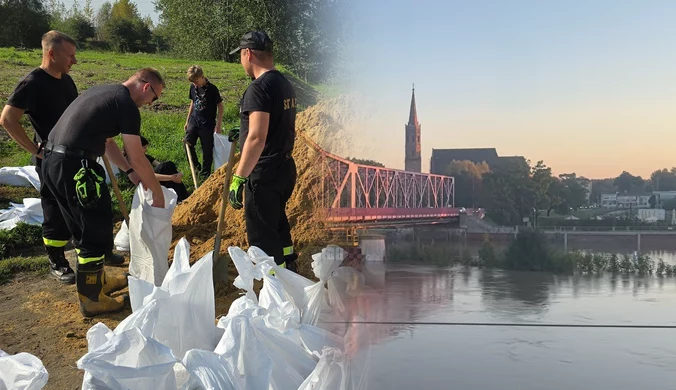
413	345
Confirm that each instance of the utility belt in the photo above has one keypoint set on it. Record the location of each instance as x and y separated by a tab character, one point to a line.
72	152
88	183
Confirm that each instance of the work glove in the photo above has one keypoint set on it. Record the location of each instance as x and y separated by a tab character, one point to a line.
236	190
233	134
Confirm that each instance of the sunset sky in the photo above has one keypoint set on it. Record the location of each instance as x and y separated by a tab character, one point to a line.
587	86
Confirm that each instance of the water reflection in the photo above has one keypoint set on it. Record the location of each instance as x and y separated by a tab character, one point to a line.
517	358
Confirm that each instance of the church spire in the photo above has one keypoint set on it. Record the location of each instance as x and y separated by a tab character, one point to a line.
413	115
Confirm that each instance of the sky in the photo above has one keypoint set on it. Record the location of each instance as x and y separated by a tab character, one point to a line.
586	86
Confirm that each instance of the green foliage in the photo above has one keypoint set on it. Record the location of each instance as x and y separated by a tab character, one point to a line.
22	236
11	266
307	34
614	264
487	256
22	23
128	35
627	182
468	182
365	162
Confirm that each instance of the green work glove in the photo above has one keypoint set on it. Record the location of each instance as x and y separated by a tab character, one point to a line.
236	190
233	135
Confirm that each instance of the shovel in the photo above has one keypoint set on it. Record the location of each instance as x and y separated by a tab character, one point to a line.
192	166
221	267
118	194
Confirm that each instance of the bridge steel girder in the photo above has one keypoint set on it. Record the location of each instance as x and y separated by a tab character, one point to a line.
364	192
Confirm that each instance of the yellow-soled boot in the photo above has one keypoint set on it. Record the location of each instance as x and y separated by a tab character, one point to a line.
90	290
112	283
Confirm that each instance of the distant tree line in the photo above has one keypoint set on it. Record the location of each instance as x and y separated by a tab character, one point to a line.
512	189
308	34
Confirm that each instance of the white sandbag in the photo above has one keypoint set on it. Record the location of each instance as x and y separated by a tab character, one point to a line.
129	360
211	370
122	238
286	320
30	212
316	296
330	373
113	167
185	303
22	371
150	235
221	150
243	351
291	363
20	176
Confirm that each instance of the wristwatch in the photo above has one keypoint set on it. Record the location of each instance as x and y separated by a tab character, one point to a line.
129	171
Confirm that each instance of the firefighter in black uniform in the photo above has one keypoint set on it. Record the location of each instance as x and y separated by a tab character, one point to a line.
266	137
43	95
83	133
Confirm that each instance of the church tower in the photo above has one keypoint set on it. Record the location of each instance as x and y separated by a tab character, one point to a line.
412	162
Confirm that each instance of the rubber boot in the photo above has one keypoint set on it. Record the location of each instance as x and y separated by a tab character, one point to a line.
59	268
91	278
290	261
113	259
112	283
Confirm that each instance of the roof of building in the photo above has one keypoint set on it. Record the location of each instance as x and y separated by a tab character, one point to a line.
475	155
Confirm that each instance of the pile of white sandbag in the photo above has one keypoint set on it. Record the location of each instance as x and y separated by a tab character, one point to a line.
270	341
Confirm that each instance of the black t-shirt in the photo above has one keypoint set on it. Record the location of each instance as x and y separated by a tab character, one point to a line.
274	94
205	101
44	98
101	112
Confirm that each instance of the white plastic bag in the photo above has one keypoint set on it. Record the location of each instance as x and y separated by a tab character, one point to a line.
185	300
113	167
22	371
150	235
129	360
211	371
29	212
20	176
122	238
316	295
221	150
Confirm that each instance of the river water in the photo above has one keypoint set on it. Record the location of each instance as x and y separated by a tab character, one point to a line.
412	344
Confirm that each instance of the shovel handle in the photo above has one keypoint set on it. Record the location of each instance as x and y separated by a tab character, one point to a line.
224	203
118	194
192	166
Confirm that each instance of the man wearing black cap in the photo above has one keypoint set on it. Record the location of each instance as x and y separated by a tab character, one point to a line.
266	138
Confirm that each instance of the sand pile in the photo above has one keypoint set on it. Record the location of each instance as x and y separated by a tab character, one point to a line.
196	218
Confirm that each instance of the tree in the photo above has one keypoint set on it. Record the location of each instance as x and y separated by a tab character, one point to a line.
365	162
308	34
627	182
652	201
22	23
601	186
468	181
574	190
101	20
664	180
125	30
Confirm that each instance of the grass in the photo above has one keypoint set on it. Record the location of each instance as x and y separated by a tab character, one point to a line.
15	195
162	123
13	265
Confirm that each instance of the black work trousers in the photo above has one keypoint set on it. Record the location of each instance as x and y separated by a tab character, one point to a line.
92	228
206	137
54	229
169	168
269	188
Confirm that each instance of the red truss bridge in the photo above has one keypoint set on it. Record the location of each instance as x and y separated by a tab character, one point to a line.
354	193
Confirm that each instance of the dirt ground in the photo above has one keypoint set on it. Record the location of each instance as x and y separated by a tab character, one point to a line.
41	316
